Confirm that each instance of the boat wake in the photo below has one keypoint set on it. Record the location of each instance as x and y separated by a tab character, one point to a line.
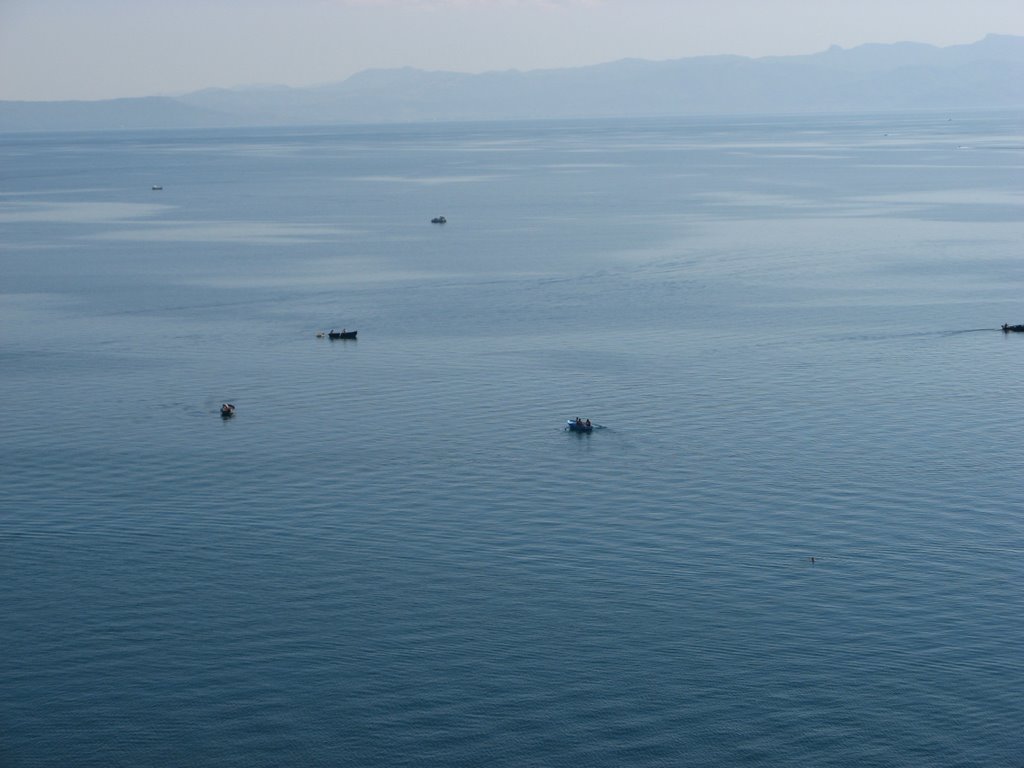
915	334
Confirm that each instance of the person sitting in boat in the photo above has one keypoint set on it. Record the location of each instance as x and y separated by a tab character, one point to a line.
588	423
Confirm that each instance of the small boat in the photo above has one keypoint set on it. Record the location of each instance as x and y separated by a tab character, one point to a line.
579	425
227	410
157	188
439	220
1013	328
343	334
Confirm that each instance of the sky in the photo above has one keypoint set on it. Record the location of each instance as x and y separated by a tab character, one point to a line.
99	49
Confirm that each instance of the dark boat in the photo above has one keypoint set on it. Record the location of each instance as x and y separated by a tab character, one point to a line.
1014	328
439	220
341	334
578	425
227	410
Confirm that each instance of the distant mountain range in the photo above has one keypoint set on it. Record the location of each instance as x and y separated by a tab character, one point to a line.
988	74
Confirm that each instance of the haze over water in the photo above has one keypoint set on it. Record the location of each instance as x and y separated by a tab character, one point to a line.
786	330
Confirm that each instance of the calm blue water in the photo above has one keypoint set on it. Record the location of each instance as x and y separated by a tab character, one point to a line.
394	555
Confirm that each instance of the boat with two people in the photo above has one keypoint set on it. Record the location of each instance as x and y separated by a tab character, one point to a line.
342	334
439	220
579	425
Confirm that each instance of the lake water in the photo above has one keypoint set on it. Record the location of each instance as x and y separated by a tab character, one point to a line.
394	555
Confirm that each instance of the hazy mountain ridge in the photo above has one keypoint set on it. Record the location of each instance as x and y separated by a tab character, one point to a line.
873	77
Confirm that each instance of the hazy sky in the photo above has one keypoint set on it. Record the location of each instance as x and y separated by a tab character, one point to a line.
91	49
